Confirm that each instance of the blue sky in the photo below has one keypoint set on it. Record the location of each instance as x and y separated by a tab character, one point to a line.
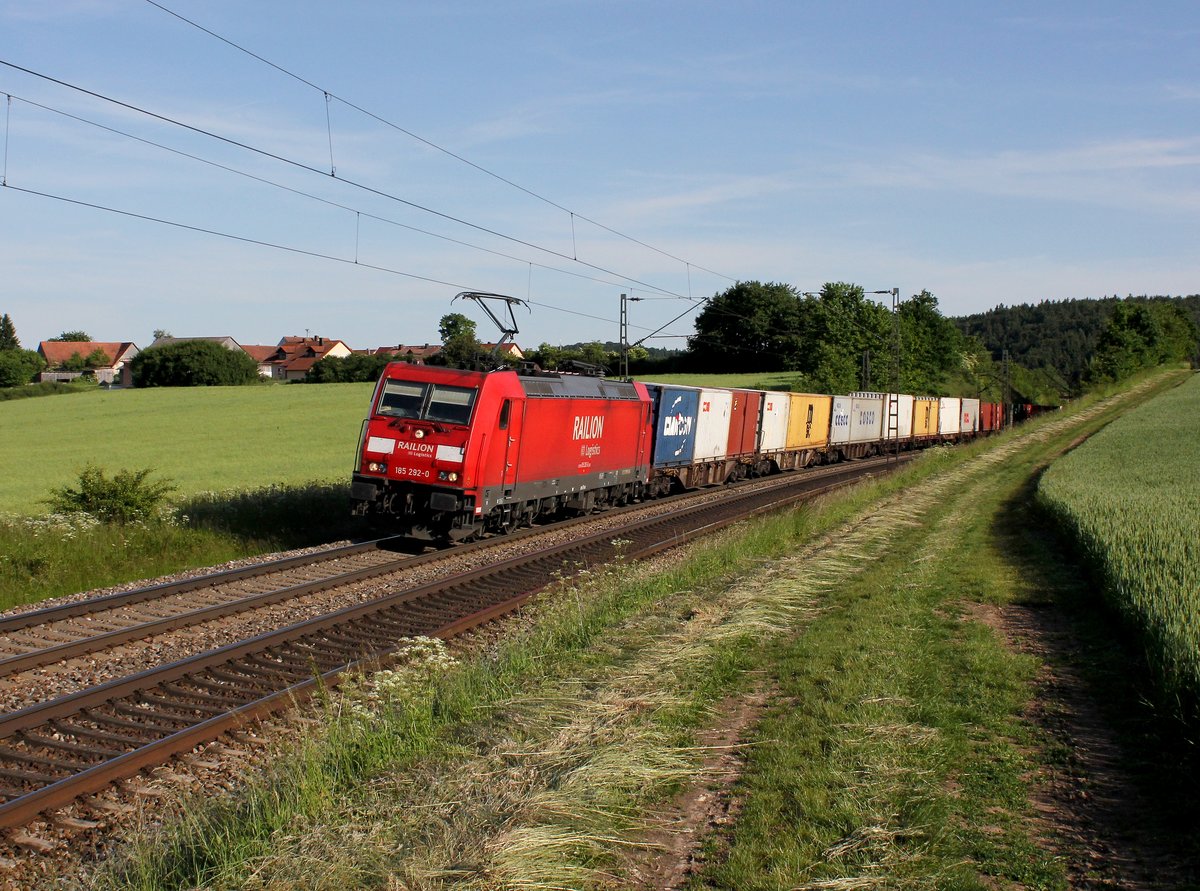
991	153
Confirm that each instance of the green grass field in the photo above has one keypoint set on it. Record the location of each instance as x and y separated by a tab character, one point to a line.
204	438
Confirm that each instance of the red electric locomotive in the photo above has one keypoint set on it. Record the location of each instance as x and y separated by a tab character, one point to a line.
447	454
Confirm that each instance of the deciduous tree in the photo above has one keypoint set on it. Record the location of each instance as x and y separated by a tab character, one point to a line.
460	346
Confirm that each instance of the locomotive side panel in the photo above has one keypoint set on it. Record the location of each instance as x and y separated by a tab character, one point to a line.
565	438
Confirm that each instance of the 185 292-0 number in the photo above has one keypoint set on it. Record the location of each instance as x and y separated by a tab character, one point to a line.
414	472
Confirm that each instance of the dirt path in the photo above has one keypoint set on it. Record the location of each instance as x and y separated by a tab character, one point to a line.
1096	803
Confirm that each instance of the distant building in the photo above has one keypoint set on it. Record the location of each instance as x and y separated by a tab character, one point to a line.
63	357
291	360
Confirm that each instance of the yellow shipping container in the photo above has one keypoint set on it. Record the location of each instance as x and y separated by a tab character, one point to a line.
925	416
808	421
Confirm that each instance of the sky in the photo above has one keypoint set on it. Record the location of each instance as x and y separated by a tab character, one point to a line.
263	169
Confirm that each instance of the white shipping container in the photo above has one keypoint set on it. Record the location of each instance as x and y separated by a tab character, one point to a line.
970	416
904	417
712	424
949	415
773	433
866	417
839	423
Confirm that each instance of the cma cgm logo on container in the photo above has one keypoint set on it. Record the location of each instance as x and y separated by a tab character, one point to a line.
588	427
677	425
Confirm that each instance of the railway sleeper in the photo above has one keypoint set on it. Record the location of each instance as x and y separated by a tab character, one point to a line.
35	740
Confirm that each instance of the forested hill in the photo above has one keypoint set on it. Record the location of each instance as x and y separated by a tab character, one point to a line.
1058	335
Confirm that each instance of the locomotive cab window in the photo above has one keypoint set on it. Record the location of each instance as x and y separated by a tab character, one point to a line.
450	404
427	402
402	399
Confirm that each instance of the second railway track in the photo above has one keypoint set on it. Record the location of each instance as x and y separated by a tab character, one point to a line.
53	751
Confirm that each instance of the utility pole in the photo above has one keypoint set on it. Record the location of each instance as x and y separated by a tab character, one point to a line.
625	299
1008	406
894	398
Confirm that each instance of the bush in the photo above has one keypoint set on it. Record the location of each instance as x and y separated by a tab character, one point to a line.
193	363
355	368
48	388
18	367
126	497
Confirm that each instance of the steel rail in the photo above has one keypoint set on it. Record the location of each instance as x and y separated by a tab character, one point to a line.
92	643
214	691
78	608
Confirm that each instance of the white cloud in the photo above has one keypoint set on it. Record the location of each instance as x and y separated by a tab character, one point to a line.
1123	173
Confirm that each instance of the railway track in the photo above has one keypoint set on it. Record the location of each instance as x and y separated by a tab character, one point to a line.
55	751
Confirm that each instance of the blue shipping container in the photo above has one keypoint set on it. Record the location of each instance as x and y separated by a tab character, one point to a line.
675	410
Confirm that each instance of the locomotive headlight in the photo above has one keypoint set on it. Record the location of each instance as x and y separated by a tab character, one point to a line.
448	475
377	467
419	434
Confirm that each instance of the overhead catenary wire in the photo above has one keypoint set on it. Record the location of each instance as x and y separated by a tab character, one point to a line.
310	196
300	165
318	255
433	145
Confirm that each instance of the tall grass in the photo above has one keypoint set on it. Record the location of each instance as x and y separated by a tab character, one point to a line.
1130	497
64	553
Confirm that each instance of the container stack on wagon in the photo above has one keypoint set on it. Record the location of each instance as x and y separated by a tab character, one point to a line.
447	454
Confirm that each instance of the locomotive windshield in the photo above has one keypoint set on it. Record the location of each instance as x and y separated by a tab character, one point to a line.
427	402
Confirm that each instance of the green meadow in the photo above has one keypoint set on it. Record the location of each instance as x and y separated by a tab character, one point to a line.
203	439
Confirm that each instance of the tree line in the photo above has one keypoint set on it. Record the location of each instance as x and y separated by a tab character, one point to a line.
1083	342
832	341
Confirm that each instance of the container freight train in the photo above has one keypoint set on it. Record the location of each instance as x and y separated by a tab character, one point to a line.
447	454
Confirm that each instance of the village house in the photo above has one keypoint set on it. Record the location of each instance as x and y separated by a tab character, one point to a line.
108	361
294	356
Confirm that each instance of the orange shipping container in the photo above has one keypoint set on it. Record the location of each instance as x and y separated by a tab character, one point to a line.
925	416
808	421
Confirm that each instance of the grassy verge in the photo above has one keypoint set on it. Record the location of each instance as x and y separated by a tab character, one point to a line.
55	555
894	750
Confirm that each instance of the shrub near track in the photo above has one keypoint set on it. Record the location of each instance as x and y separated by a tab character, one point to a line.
1130	497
